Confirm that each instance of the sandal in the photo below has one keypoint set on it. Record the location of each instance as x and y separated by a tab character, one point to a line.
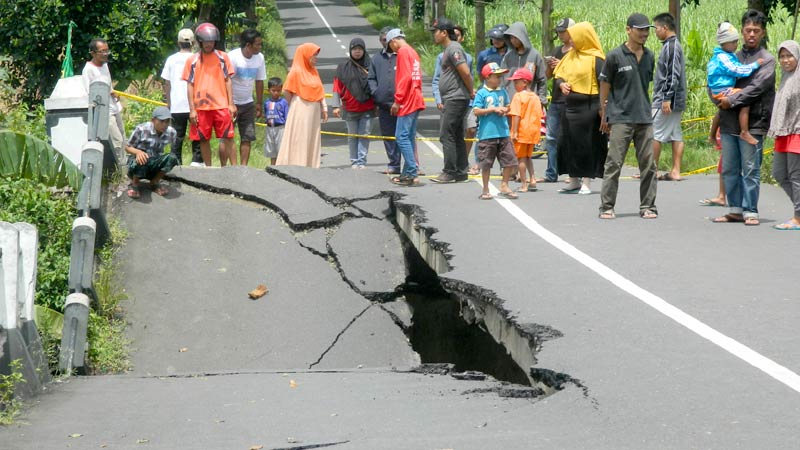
729	218
133	191
607	215
486	196
648	214
751	221
405	181
159	189
510	195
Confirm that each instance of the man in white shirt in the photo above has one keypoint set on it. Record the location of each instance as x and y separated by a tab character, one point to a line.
250	70
175	95
97	68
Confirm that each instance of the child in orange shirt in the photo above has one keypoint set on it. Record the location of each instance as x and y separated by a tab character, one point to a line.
526	115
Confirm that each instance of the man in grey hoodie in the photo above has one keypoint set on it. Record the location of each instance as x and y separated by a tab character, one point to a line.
522	54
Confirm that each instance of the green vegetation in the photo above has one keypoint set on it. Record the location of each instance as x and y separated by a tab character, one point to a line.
10	404
22	155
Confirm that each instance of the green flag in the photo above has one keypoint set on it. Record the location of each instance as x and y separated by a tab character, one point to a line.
66	65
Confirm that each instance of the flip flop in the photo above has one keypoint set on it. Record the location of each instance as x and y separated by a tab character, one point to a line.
532	188
607	215
667	177
751	221
486	196
509	195
729	218
709	202
159	189
648	214
787	226
133	191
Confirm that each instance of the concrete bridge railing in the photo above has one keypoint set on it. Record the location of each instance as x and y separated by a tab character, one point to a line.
19	338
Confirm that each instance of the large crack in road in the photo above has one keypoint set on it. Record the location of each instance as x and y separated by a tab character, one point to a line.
403	275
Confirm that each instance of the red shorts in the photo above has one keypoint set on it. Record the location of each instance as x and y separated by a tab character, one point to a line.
218	119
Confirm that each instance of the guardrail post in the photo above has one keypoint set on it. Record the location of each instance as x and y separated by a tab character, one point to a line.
18	282
73	339
92	169
81	261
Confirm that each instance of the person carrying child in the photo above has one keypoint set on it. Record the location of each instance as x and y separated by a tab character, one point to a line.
276	108
723	70
526	114
491	106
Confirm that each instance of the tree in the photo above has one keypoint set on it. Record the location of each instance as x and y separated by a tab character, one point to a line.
33	33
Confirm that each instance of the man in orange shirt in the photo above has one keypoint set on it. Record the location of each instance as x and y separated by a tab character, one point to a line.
208	77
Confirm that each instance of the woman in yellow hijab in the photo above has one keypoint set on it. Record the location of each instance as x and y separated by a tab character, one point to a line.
582	148
303	90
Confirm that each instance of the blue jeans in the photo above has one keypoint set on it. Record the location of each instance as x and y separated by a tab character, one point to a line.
358	123
553	126
405	135
741	172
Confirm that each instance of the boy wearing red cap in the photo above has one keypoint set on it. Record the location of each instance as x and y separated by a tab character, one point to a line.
490	107
526	115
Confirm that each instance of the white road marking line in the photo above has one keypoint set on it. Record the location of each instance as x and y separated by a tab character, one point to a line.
323	18
727	343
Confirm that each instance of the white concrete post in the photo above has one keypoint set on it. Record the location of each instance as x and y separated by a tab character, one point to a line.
29	245
9	243
92	168
99	98
81	260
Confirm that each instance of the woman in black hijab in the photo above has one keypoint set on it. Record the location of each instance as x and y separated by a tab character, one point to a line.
353	102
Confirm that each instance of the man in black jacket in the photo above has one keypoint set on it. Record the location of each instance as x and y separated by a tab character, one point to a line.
741	162
381	84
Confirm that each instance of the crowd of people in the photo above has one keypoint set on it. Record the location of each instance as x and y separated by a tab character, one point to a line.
599	104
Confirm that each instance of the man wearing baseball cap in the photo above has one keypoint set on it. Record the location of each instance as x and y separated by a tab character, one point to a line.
408	102
455	87
146	157
623	84
175	94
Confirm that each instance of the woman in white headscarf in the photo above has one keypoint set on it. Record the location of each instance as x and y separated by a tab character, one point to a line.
785	128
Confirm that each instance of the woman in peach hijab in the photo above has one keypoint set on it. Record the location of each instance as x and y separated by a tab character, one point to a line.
304	92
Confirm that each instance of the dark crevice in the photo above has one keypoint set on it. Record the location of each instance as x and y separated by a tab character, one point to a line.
336	339
310	446
458	308
296	227
373	296
559	380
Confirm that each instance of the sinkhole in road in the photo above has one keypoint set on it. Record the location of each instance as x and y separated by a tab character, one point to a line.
441	332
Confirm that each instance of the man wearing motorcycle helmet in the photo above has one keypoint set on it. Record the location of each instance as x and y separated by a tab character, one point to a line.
497	48
208	76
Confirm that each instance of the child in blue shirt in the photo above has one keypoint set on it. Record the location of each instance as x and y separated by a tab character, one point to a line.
723	71
491	106
275	111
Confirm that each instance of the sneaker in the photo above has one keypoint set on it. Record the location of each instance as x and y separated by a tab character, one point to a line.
585	190
443	178
196	164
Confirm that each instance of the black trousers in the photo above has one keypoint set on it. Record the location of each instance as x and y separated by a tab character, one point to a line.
180	121
452	138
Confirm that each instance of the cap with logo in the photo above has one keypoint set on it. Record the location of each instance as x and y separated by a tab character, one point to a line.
185	35
523	73
727	33
162	113
639	20
491	68
394	33
563	24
